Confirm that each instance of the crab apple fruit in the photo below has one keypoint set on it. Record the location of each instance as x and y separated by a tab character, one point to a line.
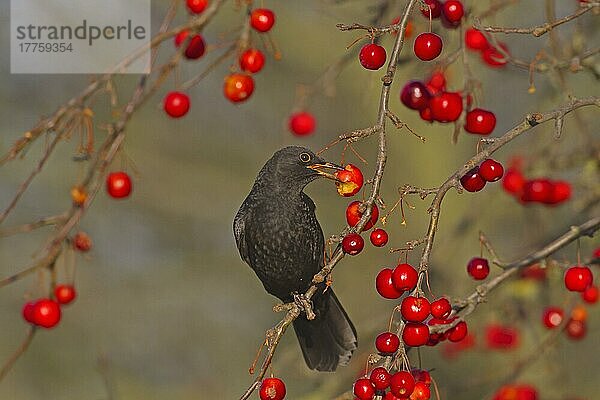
176	104
364	389
441	308
196	6
262	19
501	337
491	170
480	121
434	6
478	268
513	181
380	378
118	184
405	277
575	329
427	46
578	278
472	181
561	191
415	95
302	123
378	237
415	309
65	294
82	241
452	13
387	343
493	57
426	114
195	45
349	180
591	294
446	107
436	83
27	311
552	317
46	313
353	215
252	60
372	56
537	190
421	392
272	389
385	285
415	334
458	332
352	244
402	384
476	40
238	87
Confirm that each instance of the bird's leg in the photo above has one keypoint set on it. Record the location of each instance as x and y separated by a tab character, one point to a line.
304	304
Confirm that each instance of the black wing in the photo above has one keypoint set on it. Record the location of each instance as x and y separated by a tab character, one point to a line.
239	232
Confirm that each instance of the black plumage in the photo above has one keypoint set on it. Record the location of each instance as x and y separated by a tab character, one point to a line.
278	235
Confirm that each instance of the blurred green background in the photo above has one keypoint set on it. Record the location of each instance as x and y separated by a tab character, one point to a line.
166	308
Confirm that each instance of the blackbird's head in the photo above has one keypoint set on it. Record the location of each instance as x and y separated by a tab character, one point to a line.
295	167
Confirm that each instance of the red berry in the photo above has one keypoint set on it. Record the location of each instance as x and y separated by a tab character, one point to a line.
575	329
480	121
387	343
353	215
379	237
385	286
472	181
302	123
421	392
262	19
458	333
196	6
478	268
238	87
415	309
415	95
380	378
421	375
272	389
452	13
364	389
195	46
513	181
426	114
415	334
561	191
537	190
372	56
552	317
402	384
64	293
46	313
82	242
405	277
578	278
493	57
436	83
176	104
446	107
118	184
252	60
491	170
591	294
475	40
352	244
427	46
435	7
441	308
501	337
349	180
27	311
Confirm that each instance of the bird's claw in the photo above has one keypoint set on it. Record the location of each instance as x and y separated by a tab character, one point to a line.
304	304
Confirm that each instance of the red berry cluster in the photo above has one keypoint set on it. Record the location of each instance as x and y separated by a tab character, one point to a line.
576	325
450	12
272	389
414	385
539	190
516	392
475	40
353	243
45	312
475	180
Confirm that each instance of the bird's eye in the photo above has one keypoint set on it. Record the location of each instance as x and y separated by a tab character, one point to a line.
305	157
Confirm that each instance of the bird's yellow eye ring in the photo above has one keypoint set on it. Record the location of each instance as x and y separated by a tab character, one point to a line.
305	157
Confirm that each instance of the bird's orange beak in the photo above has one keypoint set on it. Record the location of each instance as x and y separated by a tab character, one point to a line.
322	168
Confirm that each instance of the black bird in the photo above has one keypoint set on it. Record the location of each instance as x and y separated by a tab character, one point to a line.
278	235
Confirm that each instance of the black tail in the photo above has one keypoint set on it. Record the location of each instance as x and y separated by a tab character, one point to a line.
328	340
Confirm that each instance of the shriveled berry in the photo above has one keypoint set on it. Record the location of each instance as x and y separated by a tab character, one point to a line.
82	241
195	45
